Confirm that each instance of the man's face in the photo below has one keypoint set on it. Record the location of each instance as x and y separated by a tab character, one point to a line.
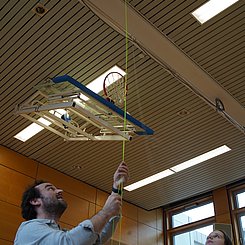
52	201
215	238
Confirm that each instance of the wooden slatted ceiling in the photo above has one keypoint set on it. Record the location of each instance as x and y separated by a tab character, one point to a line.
70	39
211	45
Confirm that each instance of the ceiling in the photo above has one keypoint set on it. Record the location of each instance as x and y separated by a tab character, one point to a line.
71	39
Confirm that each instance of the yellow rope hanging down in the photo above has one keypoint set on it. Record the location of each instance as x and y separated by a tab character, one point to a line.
125	106
126	71
120	187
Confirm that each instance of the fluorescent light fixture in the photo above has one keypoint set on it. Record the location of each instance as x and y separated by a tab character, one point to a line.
149	180
35	128
204	157
58	112
96	86
178	168
211	8
31	130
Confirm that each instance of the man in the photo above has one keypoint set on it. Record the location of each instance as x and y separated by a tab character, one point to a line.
42	206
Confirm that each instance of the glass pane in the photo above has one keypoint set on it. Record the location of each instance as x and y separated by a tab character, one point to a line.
242	229
241	200
195	237
193	215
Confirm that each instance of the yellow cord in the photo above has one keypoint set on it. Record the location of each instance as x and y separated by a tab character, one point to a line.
120	187
126	71
113	229
120	222
125	109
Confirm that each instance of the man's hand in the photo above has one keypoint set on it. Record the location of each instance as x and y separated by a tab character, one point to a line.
121	175
112	205
111	208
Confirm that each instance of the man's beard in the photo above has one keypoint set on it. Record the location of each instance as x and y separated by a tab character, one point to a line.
54	206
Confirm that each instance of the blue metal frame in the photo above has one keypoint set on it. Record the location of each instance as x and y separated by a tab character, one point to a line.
66	78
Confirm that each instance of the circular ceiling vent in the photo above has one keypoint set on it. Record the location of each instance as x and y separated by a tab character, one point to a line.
183	113
40	9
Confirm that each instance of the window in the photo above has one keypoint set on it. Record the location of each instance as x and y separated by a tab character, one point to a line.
193	215
190	224
240	198
242	228
237	196
193	237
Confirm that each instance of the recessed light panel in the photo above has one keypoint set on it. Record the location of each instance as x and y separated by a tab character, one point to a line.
31	130
149	180
211	8
178	168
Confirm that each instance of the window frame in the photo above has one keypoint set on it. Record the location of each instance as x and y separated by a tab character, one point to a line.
171	232
236	212
241	238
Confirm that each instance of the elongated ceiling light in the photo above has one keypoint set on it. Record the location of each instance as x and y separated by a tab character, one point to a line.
31	130
96	86
149	180
194	161
204	157
211	8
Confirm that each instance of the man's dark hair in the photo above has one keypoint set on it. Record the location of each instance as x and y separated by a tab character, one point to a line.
27	209
227	238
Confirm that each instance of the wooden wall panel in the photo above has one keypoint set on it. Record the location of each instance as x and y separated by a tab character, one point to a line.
159	237
77	210
92	210
67	183
146	235
97	208
159	219
221	206
128	231
130	211
10	221
147	217
4	242
10	191
101	197
223	218
17	162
